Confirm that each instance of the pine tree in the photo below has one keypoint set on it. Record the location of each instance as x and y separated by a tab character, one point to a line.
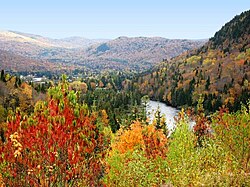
207	83
2	76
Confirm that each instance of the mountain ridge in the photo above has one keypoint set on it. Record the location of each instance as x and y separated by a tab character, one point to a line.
69	42
122	53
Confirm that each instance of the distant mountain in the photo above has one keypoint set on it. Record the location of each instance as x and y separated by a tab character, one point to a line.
123	53
140	52
16	63
219	70
71	42
77	42
12	62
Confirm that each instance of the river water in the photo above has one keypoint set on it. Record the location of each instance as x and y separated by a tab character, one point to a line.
168	112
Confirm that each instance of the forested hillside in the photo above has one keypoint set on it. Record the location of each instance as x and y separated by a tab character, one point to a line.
137	53
220	71
16	63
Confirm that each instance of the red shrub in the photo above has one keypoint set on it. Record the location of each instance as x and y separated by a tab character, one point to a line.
59	144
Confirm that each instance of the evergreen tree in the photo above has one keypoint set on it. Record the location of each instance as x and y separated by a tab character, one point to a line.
207	83
158	118
3	76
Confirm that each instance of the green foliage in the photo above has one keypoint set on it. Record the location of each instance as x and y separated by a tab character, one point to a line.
134	169
2	114
210	165
122	107
232	133
207	83
182	157
223	159
241	56
232	31
2	76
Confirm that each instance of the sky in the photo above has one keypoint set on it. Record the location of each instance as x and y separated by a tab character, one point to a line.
109	19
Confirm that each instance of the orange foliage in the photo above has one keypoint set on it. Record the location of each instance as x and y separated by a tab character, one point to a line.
1	181
147	138
93	85
100	84
155	142
240	62
129	140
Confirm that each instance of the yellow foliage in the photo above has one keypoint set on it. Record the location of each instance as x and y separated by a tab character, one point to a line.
16	144
211	54
104	117
241	56
209	61
248	52
229	100
109	86
25	97
27	90
193	59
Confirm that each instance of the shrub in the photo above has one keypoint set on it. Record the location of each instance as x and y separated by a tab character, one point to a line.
232	133
60	144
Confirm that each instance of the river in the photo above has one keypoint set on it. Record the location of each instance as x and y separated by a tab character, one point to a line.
169	112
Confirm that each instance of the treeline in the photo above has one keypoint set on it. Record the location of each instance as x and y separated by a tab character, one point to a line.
107	92
122	107
235	31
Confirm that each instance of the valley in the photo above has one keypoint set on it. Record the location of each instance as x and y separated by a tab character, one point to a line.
99	55
116	112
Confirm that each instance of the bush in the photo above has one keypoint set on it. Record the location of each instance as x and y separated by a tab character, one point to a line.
232	132
61	144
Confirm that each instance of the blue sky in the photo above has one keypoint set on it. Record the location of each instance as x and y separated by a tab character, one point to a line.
193	19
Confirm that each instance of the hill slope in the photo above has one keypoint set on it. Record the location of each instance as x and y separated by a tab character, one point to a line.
12	62
138	53
220	71
17	63
37	40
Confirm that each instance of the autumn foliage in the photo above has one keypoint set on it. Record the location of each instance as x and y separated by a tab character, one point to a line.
60	144
233	133
142	137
